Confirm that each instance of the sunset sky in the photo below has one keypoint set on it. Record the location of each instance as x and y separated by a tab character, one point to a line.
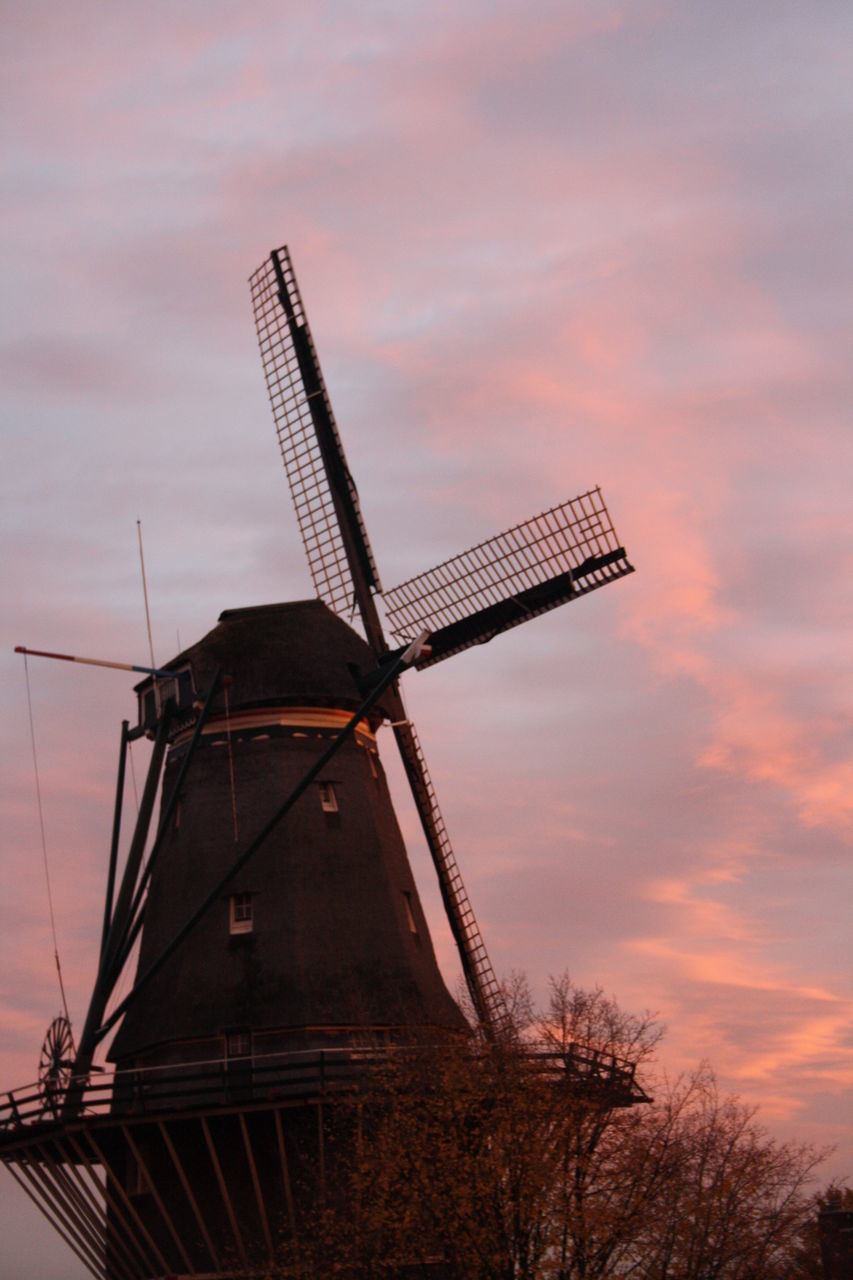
542	246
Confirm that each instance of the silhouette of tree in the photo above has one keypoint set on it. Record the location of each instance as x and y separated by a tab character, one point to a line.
808	1262
481	1161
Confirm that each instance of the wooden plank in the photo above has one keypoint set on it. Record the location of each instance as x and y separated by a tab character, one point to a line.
229	1208
158	1200
257	1185
188	1190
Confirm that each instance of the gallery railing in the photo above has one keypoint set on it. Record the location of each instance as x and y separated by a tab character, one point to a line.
288	1076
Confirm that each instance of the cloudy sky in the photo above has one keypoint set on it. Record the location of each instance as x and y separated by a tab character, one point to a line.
542	246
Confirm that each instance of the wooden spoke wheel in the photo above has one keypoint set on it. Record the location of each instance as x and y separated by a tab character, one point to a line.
55	1063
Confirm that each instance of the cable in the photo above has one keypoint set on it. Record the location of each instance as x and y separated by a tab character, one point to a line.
44	844
133	777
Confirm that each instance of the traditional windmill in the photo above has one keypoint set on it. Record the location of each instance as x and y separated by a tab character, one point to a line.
283	947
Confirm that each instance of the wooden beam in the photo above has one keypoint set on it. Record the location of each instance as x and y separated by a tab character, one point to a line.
229	1208
179	1169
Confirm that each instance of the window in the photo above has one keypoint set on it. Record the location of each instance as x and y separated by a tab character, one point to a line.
239	1044
241	919
155	693
407	899
328	799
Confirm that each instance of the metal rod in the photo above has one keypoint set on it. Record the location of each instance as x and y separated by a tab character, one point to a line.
95	662
145	591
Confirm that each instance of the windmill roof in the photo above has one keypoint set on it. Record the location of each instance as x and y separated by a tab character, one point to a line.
283	654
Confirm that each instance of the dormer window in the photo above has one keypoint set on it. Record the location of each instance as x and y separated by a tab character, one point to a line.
241	918
155	692
328	798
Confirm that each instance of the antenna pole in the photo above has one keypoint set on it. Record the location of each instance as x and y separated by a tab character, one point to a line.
145	592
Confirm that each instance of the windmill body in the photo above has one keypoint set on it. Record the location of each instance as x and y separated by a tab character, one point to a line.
321	939
283	953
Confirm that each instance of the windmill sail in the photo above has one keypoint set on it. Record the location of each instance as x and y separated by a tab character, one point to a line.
485	990
545	562
343	569
323	491
565	552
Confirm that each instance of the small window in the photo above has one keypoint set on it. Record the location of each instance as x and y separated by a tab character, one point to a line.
239	1044
407	899
241	919
328	799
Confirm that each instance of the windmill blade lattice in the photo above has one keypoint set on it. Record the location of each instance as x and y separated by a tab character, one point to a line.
553	558
343	569
545	562
323	491
484	987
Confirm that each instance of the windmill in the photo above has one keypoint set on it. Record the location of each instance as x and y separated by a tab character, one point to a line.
282	948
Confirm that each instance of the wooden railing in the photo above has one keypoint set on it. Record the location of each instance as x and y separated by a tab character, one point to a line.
285	1077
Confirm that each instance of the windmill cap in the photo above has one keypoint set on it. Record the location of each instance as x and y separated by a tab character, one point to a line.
283	654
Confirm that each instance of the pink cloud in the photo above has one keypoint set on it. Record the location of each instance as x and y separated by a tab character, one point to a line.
597	247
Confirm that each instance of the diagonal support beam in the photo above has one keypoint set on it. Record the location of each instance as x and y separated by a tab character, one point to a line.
136	911
188	1192
103	982
111	875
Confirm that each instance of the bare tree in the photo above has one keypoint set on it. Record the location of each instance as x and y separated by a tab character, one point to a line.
472	1161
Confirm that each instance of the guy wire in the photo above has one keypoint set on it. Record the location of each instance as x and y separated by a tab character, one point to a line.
44	844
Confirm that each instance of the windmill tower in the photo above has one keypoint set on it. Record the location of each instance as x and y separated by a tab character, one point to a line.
283	950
